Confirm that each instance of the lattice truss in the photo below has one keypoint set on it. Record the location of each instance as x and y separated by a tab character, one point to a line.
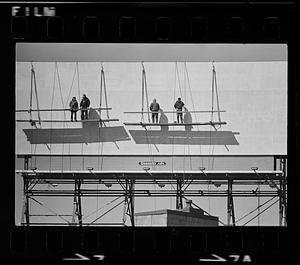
124	187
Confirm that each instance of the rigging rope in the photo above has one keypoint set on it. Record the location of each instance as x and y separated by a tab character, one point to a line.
30	95
259	206
51	107
193	105
66	106
106	212
144	94
98	209
217	95
106	101
71	88
33	124
179	86
49	209
33	84
78	86
64	124
37	98
100	150
145	97
101	86
30	114
261	212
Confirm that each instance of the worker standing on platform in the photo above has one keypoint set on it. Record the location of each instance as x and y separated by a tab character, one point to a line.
84	104
178	106
154	107
73	108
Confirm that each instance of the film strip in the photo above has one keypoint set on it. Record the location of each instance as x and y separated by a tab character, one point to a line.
163	23
177	244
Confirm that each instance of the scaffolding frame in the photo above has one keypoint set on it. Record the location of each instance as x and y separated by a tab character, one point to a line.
128	183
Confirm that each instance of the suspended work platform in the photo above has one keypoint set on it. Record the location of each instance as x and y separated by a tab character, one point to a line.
57	109
93	127
159	112
93	130
174	124
67	121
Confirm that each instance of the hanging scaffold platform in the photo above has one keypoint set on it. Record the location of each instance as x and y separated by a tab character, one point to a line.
188	136
94	129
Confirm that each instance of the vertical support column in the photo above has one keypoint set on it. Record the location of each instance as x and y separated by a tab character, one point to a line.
77	211
79	202
179	194
25	211
129	201
282	193
125	201
230	206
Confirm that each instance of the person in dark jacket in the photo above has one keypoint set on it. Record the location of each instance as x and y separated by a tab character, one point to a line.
154	107
84	104
73	108
178	106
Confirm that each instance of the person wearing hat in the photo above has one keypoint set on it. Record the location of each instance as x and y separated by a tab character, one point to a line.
73	108
154	107
84	104
178	106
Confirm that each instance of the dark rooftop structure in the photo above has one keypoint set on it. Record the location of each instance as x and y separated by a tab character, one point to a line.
188	216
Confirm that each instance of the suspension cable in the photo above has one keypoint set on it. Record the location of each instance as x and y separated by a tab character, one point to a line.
101	88
51	114
193	105
259	206
217	95
146	90
179	85
105	95
98	209
64	124
36	96
71	88
58	215
30	96
106	213
261	212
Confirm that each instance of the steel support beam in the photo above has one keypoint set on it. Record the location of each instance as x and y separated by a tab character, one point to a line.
26	210
77	210
230	205
129	201
129	188
179	194
282	194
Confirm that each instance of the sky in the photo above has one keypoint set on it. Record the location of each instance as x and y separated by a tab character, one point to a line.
253	94
137	52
